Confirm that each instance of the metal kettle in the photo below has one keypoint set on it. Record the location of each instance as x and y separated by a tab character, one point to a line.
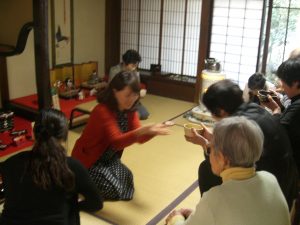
211	64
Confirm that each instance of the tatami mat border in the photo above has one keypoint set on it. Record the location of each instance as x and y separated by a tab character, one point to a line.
175	117
173	204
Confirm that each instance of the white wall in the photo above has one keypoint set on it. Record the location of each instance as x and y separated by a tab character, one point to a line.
13	14
21	72
89	43
89	32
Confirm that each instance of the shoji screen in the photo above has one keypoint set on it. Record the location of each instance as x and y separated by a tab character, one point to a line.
180	36
192	35
129	25
179	32
172	36
235	37
149	32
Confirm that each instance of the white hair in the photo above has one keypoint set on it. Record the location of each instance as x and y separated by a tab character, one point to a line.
239	139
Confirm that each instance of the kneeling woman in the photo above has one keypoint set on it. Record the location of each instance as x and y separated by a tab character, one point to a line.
113	125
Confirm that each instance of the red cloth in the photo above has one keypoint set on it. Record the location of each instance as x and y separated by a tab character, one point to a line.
102	131
143	86
19	124
66	105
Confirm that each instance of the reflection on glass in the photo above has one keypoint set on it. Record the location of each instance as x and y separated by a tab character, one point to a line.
284	36
295	3
281	3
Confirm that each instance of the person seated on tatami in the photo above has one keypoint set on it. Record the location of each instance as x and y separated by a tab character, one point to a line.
113	126
130	61
256	82
42	185
224	99
245	196
289	74
285	100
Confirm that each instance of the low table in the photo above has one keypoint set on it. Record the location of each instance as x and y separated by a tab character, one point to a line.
19	124
84	108
30	104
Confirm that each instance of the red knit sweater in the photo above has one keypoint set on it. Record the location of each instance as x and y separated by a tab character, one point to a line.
102	131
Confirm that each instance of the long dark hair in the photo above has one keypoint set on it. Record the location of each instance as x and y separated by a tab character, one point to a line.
48	164
119	82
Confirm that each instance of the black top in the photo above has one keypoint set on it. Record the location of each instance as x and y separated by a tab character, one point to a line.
277	155
290	119
27	204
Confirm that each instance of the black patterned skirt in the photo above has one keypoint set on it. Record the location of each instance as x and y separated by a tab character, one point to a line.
112	177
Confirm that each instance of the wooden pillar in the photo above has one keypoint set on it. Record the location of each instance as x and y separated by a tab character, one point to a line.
4	82
205	33
41	50
112	33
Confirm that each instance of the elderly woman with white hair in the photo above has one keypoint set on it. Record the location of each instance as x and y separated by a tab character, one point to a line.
245	197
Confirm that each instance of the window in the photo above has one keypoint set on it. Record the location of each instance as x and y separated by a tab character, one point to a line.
235	37
163	31
283	35
129	25
149	32
168	31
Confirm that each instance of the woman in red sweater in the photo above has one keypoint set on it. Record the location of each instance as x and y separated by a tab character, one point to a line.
112	126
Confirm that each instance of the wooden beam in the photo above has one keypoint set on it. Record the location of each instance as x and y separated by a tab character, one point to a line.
267	38
41	50
112	33
3	83
204	42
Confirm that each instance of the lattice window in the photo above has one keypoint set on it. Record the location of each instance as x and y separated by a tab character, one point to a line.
172	42
129	25
235	37
284	33
172	36
149	32
192	35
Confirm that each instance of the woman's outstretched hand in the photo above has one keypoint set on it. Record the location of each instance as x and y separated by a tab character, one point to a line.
154	129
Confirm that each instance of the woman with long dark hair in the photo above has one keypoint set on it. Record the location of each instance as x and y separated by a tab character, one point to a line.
42	185
112	126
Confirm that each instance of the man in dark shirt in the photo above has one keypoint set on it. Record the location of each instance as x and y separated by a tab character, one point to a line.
224	99
289	75
130	61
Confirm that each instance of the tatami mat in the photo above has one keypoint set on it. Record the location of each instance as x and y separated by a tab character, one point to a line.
162	109
190	202
163	168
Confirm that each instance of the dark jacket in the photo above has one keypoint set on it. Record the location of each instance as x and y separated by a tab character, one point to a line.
25	203
277	156
290	119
